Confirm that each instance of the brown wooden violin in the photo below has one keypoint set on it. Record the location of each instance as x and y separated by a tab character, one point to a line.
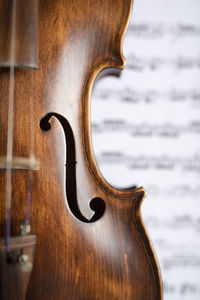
87	240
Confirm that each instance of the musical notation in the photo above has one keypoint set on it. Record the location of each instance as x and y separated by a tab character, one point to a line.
183	289
155	63
179	260
144	162
189	289
152	30
177	190
149	96
147	130
177	222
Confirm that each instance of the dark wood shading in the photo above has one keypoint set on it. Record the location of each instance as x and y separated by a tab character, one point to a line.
26	33
77	256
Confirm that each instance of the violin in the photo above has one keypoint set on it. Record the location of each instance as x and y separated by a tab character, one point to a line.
65	232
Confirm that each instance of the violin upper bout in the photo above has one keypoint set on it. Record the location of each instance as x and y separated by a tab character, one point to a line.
118	43
117	22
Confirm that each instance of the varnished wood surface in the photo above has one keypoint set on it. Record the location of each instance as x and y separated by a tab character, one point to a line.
111	258
26	46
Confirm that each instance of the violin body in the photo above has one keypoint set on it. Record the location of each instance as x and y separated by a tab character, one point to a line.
91	241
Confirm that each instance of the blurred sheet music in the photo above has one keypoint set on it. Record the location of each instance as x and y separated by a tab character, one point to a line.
146	130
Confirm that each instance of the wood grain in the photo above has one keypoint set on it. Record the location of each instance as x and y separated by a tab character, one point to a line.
111	258
26	31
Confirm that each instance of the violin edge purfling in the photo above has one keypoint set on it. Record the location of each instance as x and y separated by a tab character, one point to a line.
117	62
78	255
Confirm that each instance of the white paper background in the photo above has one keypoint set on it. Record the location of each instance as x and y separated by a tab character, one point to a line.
146	128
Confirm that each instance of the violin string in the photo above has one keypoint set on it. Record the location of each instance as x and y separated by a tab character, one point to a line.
32	146
10	129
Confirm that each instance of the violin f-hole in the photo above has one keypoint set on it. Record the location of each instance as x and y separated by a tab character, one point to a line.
96	204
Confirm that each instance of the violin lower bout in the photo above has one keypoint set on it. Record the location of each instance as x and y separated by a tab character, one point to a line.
109	259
